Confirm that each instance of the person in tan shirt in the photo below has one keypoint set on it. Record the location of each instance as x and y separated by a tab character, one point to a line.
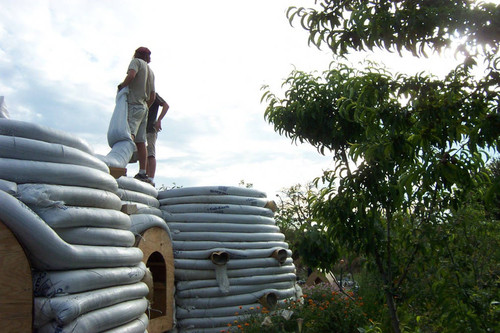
140	80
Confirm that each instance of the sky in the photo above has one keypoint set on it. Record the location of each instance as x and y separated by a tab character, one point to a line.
60	63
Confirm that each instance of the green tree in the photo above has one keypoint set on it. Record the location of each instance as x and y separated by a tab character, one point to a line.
410	148
306	238
294	214
294	207
493	193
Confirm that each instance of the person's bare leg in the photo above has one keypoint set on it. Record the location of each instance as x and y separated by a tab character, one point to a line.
141	155
151	166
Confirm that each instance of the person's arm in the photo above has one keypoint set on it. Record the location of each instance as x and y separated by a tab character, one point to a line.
130	76
164	110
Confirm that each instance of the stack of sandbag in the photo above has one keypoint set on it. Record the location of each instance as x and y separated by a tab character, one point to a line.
141	198
152	235
230	257
61	203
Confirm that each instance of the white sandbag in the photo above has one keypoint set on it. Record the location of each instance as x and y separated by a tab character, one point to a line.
138	325
101	319
220	317
204	245
65	309
97	236
144	209
214	302
197	325
194	274
206	264
57	283
219	199
70	217
8	187
3	109
128	195
233	253
119	136
221	227
227	236
223	311
217	218
120	154
211	190
142	222
47	251
132	184
232	290
118	129
35	150
11	127
47	195
218	209
253	279
22	171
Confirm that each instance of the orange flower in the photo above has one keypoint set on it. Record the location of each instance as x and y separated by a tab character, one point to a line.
241	307
236	313
247	324
229	324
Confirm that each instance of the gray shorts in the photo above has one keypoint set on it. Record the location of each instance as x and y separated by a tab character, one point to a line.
137	119
151	143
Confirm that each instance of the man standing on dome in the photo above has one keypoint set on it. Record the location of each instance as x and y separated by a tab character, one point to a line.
152	129
140	80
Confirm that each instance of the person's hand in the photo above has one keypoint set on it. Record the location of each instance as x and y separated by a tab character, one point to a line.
158	126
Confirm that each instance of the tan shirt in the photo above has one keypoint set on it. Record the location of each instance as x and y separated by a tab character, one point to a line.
143	84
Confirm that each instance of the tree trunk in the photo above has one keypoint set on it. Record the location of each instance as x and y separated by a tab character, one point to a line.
392	311
388	294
